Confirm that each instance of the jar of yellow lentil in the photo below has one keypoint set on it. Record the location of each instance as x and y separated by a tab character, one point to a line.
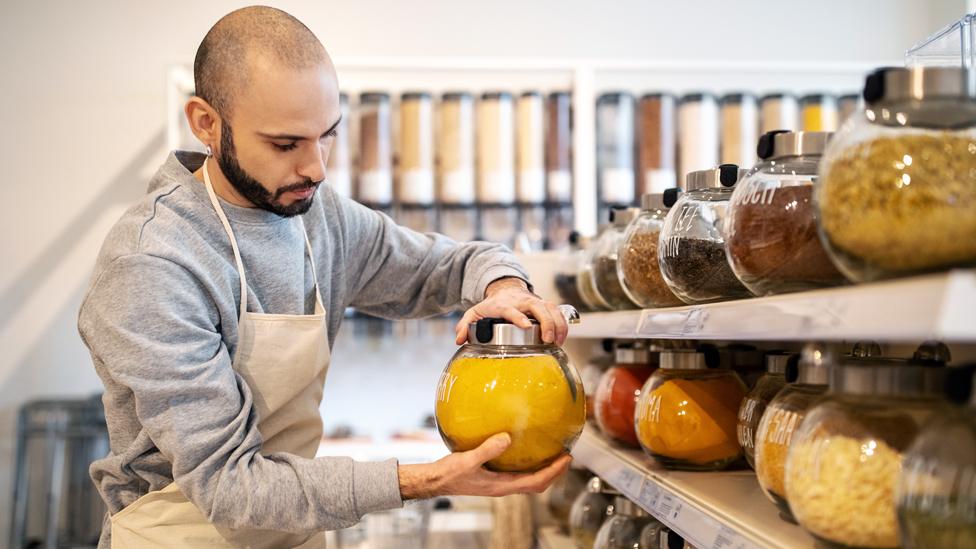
896	194
506	380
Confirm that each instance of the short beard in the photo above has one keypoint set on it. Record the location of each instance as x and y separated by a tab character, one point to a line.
251	188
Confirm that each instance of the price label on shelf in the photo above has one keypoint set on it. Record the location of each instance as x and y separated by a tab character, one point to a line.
629	482
648	496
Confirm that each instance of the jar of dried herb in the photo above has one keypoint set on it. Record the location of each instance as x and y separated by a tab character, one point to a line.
637	263
692	250
771	238
897	190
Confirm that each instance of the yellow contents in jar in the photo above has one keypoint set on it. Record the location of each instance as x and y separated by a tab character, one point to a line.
692	420
532	398
842	489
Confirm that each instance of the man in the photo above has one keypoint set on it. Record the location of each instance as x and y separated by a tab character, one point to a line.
216	298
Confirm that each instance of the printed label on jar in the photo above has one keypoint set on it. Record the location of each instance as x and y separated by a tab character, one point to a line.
445	386
762	191
682	224
782	423
743	431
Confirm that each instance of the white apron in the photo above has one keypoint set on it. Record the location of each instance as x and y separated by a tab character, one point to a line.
284	359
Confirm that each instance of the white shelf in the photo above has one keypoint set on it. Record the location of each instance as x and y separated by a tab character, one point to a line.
722	509
939	306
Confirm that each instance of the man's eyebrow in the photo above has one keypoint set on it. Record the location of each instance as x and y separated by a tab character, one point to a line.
290	137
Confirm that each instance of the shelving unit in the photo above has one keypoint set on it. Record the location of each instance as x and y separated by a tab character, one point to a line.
551	538
940	306
710	510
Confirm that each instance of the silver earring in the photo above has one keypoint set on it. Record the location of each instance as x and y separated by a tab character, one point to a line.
209	151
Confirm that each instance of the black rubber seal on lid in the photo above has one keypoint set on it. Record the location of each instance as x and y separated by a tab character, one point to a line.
414	95
775	95
728	175
671	196
713	358
656	95
734	98
373	97
959	383
484	329
675	541
531	93
616	209
574	238
455	96
695	97
765	148
496	95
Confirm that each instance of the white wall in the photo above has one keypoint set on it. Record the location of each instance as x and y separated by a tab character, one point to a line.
82	110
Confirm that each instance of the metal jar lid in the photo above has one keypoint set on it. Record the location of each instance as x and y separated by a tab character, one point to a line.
781	143
653	201
950	91
776	362
887	376
621	217
683	359
811	366
498	331
624	507
724	176
631	354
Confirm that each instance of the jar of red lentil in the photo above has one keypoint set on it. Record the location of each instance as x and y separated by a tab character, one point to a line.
619	389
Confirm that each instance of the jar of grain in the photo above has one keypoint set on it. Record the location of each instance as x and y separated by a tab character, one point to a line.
778	111
457	214
771	238
559	170
606	251
414	191
530	167
498	214
637	263
806	384
818	111
375	185
843	464
740	126
692	250
615	150
897	187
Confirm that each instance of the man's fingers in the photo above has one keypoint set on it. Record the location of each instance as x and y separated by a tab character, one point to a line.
461	329
547	324
561	327
540	480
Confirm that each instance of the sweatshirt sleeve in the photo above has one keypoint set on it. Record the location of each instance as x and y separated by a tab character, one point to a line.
154	330
394	272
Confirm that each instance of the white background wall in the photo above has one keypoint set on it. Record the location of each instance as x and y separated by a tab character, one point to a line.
82	114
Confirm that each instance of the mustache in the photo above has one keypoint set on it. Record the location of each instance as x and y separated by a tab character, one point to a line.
300	186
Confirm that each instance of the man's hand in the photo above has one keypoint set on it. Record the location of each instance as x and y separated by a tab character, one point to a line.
510	298
463	474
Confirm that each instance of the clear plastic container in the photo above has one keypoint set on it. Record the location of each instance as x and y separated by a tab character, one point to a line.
740	127
605	258
847	105
637	263
818	112
339	167
807	384
415	174
615	149
952	46
771	238
559	170
506	380
937	488
778	111
623	529
698	133
620	388
590	510
457	215
753	406
687	410
843	463
375	180
692	250
656	147
897	190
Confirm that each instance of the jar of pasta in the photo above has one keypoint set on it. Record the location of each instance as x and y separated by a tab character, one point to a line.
753	406
843	464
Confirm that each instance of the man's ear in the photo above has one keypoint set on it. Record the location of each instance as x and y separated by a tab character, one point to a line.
204	121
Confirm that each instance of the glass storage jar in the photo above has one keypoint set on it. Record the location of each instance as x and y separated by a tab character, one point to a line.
590	510
618	391
562	494
897	191
771	237
686	414
567	273
937	488
605	259
637	263
806	385
843	464
753	406
506	380
623	529
692	250
586	279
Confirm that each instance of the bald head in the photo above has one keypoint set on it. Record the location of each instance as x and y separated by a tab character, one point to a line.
225	59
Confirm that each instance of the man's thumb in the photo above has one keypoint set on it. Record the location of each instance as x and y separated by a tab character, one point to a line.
493	447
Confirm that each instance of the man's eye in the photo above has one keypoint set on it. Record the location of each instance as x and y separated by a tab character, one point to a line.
332	133
284	148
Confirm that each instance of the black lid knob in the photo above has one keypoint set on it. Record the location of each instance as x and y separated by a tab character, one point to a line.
766	148
728	175
874	85
671	197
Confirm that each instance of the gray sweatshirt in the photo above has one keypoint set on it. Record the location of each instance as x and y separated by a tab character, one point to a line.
160	320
